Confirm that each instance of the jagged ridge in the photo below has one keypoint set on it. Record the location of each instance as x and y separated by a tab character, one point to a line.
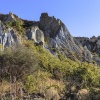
54	36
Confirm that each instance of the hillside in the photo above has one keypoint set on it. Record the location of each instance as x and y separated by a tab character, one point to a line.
42	60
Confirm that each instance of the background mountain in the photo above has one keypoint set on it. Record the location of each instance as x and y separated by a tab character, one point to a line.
46	47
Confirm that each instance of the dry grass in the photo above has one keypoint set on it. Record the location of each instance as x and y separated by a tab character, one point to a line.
51	88
4	86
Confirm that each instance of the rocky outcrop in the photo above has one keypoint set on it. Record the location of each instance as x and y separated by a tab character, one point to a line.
53	35
35	34
7	38
49	25
8	17
93	45
59	37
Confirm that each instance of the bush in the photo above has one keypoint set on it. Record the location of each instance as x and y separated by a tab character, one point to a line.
17	25
32	65
18	62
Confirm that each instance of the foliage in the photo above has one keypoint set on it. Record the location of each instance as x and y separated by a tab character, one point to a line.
33	82
17	62
17	25
64	68
34	66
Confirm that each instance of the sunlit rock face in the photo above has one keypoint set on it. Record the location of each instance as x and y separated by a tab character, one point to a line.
8	38
93	45
65	40
49	25
60	38
10	17
35	34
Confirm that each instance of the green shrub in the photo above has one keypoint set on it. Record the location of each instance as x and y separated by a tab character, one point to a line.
18	62
17	25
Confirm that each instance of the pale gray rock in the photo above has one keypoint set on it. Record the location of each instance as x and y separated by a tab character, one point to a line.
10	17
8	38
93	45
87	55
98	42
35	34
49	25
60	38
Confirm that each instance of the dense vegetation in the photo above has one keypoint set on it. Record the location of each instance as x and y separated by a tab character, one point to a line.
17	25
34	70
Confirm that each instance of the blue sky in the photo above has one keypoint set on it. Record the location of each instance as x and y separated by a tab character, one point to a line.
82	17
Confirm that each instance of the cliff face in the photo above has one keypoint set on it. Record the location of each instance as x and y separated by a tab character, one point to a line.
53	35
49	25
7	38
60	38
93	45
35	34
